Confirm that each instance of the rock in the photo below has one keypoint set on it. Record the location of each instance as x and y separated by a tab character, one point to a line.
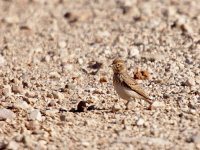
68	67
141	75
140	122
11	19
7	90
6	114
58	95
2	61
27	140
13	145
38	50
30	94
62	44
22	105
194	139
103	79
62	117
90	122
3	145
32	125
116	107
51	112
190	82
82	107
54	75
17	89
52	103
158	104
154	57
35	115
134	52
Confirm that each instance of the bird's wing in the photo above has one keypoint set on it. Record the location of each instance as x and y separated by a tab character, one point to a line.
133	85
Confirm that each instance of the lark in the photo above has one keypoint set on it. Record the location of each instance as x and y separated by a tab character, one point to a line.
126	87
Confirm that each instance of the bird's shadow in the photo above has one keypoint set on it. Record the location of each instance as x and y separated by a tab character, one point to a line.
89	108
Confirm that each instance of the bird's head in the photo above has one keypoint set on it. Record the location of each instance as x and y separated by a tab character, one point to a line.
118	66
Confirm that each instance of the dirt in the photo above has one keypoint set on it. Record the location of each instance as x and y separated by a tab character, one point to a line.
54	54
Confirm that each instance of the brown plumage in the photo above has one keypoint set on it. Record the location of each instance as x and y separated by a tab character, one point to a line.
126	87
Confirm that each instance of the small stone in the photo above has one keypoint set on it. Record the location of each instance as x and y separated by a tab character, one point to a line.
32	125
90	122
7	90
2	61
140	122
190	82
154	57
51	112
27	140
141	75
134	52
90	101
17	89
158	104
13	145
22	105
116	107
193	111
54	75
68	67
3	145
47	59
103	79
30	94
82	107
62	44
6	114
35	115
194	138
58	95
38	50
62	117
52	103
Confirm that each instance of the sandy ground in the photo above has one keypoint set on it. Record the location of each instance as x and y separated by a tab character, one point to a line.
54	54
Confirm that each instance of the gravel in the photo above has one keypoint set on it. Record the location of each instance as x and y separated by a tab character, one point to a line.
55	54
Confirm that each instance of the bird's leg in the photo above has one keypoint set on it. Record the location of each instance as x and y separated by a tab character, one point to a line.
150	104
127	104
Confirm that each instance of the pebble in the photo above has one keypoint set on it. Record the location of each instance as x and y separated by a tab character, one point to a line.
13	145
32	125
6	114
17	89
140	122
3	145
58	95
7	90
81	107
116	107
134	52
153	57
38	50
35	115
51	112
103	79
190	82
54	75
158	104
22	105
30	94
2	61
62	44
62	117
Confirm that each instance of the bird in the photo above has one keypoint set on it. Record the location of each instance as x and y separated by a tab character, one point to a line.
125	86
